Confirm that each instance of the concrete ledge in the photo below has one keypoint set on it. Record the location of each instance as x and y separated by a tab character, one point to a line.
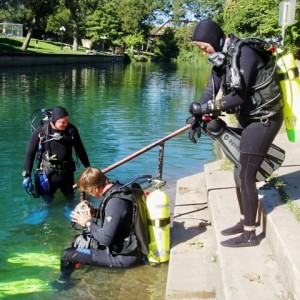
283	236
282	228
193	273
25	59
246	273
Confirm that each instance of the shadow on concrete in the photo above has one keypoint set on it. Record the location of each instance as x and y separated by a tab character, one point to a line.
184	233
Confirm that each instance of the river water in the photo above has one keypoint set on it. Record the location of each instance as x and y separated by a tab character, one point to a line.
118	110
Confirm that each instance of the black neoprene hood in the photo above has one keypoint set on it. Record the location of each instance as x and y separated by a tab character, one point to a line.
210	32
58	113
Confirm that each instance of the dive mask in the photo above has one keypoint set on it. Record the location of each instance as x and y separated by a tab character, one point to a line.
216	59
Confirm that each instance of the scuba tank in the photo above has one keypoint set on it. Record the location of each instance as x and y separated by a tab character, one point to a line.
158	206
290	86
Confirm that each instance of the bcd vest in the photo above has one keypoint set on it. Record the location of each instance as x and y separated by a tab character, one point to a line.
265	95
139	235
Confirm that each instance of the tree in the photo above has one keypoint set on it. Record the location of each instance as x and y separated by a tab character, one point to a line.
39	9
252	18
187	51
132	13
104	23
165	47
79	10
134	40
61	18
14	12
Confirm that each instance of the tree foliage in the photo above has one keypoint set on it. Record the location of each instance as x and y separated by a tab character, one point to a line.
39	11
132	13
252	18
259	19
118	19
104	23
61	18
134	41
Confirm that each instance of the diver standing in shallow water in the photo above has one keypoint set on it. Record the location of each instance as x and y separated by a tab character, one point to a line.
54	141
251	91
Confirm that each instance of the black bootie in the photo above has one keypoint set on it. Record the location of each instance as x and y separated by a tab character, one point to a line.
237	228
246	239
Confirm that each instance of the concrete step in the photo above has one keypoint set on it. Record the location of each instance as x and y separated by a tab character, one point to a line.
206	203
256	272
280	223
193	270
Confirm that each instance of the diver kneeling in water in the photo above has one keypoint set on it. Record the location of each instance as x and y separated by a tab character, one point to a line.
108	239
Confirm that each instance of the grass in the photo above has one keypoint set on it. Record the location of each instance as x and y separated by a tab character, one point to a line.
279	186
14	45
226	165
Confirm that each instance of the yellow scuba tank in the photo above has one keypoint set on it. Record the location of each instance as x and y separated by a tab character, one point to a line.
158	205
290	86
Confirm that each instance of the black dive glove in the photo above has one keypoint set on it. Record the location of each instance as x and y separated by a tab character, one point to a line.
197	110
195	129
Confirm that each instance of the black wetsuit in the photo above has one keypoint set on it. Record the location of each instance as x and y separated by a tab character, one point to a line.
110	239
60	169
258	134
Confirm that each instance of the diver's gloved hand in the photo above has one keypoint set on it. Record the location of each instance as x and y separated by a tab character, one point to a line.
195	129
198	110
26	182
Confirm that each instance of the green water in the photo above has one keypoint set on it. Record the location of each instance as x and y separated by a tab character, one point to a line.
118	110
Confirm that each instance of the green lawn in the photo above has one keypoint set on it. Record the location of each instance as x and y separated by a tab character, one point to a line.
15	45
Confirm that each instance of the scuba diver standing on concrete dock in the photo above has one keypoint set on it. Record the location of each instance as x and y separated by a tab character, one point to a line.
53	142
251	91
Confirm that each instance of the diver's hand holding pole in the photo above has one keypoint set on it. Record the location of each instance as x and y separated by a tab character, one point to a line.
195	128
197	110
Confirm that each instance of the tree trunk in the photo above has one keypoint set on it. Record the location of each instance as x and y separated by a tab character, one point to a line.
29	34
75	44
75	35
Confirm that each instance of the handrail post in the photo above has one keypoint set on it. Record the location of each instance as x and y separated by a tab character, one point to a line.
160	160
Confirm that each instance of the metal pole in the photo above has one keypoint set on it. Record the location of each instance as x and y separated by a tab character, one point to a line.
283	34
160	160
61	39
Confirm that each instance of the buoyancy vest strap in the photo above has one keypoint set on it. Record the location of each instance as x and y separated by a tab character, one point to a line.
235	83
158	223
260	113
124	195
289	74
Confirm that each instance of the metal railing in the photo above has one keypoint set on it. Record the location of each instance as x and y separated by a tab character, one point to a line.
160	143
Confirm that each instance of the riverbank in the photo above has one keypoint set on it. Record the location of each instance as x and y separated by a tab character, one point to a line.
28	59
200	268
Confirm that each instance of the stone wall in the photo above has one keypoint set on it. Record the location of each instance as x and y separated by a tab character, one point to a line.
24	59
